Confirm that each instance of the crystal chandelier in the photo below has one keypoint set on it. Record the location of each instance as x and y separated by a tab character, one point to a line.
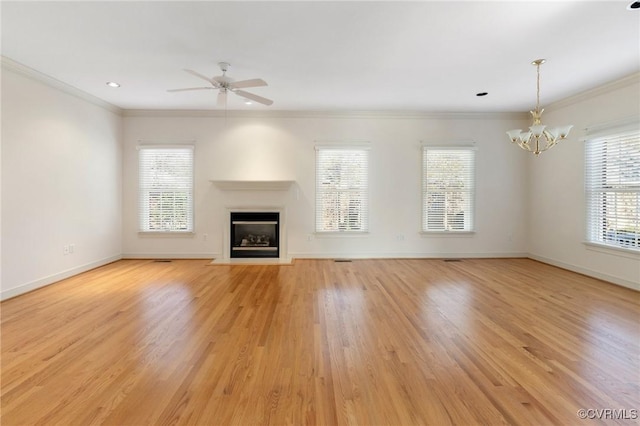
538	138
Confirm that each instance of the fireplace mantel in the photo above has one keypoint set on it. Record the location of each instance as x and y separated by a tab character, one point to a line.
253	185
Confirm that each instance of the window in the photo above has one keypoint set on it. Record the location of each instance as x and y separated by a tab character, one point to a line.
612	185
166	188
342	186
447	189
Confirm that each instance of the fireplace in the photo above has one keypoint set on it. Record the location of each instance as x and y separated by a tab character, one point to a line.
254	235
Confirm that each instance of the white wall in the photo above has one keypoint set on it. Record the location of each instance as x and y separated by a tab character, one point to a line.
67	178
556	190
61	184
281	146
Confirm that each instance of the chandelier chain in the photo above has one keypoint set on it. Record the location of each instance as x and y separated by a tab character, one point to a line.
538	89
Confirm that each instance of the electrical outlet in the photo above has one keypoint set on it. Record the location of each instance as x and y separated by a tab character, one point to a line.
72	248
205	237
65	250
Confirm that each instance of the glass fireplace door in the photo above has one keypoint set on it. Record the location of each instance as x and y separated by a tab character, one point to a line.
255	234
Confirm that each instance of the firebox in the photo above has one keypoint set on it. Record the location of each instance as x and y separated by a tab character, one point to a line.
255	234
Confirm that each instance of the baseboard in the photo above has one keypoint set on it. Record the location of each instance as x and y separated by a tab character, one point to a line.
253	261
584	271
350	255
170	255
43	282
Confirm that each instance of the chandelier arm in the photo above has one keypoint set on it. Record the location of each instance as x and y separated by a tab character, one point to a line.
524	145
546	148
550	144
550	139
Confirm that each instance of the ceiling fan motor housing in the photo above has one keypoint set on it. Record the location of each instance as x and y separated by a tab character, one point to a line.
223	80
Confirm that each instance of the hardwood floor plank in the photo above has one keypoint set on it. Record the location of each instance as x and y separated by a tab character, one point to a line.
375	342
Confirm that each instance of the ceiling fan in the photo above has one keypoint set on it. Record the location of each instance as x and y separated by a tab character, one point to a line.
226	84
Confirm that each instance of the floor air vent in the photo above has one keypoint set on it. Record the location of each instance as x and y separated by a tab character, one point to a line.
453	260
342	260
162	261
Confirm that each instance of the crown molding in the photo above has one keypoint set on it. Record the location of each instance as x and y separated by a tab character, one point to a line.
596	91
393	115
18	68
11	65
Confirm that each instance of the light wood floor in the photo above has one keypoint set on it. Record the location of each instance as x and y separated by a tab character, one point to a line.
372	342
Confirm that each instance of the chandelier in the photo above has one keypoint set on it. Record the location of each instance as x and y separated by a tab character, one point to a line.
538	138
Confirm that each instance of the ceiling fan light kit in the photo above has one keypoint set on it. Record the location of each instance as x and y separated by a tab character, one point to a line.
225	84
530	141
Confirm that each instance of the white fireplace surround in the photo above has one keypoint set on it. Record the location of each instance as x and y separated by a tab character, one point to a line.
282	238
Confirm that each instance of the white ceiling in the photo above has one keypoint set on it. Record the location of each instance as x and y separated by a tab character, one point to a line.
431	56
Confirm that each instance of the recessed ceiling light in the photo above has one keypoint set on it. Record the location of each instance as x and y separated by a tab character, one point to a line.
112	84
247	102
482	94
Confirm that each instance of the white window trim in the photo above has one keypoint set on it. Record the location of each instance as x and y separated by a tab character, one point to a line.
166	233
350	146
463	146
448	233
172	145
340	234
612	129
595	133
612	250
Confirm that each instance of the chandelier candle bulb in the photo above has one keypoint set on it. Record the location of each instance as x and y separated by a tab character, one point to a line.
514	134
564	131
553	133
537	130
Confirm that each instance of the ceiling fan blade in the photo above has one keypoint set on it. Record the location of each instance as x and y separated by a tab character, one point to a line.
256	82
190	88
251	96
222	99
204	77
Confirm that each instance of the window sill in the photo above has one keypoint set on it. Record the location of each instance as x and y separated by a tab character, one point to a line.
340	234
460	234
177	234
612	250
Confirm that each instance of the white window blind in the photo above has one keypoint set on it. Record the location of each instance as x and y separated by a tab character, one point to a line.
447	189
166	189
612	185
342	189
